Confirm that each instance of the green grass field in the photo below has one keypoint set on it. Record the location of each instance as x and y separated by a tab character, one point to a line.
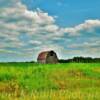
30	81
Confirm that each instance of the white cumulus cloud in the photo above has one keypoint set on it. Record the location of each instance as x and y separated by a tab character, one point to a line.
87	25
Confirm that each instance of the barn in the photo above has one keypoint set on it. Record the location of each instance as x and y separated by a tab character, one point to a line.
47	57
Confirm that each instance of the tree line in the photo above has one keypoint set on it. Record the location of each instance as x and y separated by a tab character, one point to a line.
81	60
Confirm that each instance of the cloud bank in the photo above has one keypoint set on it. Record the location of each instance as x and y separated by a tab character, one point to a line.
24	33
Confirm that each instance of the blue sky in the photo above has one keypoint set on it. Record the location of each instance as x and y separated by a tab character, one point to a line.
67	10
69	27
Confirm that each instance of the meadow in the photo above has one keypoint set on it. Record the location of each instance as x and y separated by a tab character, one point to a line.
32	81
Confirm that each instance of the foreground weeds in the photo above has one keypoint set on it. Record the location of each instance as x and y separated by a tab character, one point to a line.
54	95
27	81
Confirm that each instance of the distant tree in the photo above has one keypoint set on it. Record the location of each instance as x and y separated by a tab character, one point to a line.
81	60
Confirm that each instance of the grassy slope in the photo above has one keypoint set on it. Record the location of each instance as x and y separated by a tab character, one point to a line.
50	82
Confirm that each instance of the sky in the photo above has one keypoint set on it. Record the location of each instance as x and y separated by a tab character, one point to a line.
69	27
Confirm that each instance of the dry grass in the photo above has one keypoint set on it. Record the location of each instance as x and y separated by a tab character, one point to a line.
54	95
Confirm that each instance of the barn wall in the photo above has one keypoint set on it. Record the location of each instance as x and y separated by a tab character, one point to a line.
42	61
52	59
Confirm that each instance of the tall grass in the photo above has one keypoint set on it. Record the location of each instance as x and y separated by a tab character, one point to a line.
29	81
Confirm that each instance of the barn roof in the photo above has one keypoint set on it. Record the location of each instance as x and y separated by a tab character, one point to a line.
43	55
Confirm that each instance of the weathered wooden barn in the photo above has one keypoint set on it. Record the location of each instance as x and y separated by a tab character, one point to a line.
47	57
